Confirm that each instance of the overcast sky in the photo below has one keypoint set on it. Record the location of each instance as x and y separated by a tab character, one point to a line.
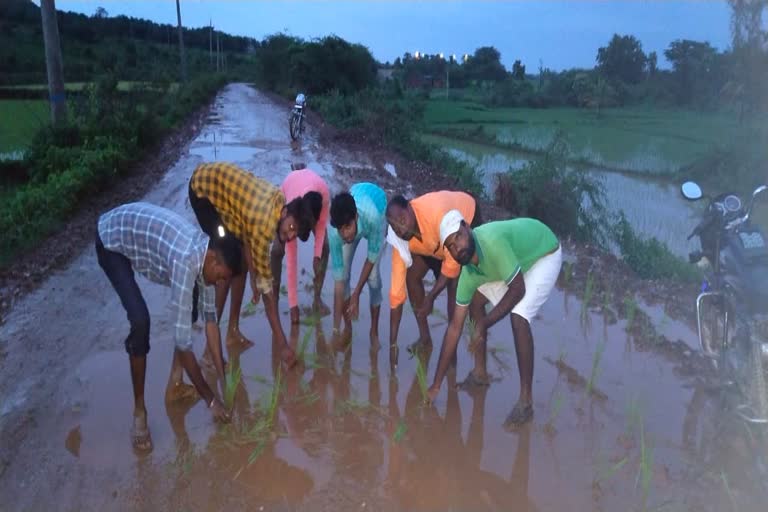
562	33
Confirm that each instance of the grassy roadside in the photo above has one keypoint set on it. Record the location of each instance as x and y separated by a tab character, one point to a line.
108	132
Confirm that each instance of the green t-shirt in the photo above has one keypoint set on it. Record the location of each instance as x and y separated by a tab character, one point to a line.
504	248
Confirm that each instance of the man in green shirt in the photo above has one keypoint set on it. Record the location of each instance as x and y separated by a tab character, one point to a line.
512	264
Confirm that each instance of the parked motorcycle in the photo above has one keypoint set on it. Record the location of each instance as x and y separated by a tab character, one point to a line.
296	121
732	308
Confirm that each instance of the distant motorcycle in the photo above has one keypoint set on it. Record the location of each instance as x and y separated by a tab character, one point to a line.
732	308
296	122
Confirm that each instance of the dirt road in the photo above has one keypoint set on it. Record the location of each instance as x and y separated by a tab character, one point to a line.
616	428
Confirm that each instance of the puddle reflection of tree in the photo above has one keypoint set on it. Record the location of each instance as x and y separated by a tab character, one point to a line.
431	467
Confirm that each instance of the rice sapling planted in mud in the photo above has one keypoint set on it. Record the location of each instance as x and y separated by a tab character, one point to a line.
231	382
596	357
554	411
421	376
645	471
588	291
630	309
400	431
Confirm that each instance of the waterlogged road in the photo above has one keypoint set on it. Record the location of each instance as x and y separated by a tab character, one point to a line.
347	435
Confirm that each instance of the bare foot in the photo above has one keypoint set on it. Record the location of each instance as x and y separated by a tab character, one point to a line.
207	364
180	392
140	437
474	381
422	344
375	344
236	339
320	308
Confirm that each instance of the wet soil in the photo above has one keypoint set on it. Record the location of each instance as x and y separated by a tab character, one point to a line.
625	415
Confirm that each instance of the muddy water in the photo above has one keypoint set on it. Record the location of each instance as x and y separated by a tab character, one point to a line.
653	207
347	434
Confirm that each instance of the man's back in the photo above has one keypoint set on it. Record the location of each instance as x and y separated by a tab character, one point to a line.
153	239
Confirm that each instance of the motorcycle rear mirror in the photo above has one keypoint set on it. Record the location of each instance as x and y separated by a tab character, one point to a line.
757	192
691	191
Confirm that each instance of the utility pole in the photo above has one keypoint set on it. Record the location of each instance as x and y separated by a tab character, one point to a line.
182	56
218	52
53	64
210	42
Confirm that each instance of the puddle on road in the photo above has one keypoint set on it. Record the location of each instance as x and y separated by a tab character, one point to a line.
347	435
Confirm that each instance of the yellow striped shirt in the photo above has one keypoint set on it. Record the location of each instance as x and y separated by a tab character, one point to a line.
249	207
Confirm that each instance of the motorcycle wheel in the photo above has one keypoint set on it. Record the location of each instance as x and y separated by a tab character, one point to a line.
293	127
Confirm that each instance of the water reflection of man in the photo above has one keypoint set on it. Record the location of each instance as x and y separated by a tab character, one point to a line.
414	234
514	265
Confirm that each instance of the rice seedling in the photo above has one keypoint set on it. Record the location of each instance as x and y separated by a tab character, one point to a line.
248	310
611	470
400	431
351	405
439	314
561	354
310	320
588	292
261	430
303	345
554	411
728	490
421	376
596	358
634	415
260	379
607	300
231	382
645	471
630	309
567	273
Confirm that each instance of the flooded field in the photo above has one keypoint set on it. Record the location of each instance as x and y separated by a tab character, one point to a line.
655	208
619	423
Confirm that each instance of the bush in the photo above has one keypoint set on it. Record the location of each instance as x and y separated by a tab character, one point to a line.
109	129
385	115
650	258
568	200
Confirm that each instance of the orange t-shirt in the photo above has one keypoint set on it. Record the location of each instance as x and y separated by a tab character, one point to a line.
429	210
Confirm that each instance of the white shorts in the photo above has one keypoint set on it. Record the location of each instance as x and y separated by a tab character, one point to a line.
539	281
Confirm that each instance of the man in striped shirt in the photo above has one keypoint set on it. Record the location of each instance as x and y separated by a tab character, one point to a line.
355	215
256	213
166	249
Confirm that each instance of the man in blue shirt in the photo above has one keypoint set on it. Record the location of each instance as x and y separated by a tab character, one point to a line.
166	249
357	214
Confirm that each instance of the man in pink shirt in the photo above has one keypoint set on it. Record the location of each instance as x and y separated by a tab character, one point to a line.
304	182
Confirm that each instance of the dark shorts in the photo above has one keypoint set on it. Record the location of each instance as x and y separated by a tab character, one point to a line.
433	264
120	273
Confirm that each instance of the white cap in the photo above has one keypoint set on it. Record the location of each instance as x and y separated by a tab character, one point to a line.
450	224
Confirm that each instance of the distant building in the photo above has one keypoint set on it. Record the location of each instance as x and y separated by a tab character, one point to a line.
384	74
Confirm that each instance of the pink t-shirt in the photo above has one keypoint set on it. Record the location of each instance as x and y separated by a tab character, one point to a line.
296	184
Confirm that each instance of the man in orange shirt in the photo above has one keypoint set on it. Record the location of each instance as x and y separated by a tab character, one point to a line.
414	233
